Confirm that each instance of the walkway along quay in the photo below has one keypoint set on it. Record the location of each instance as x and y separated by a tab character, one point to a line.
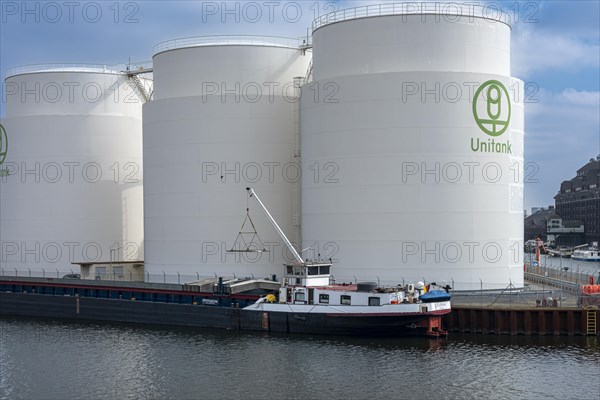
549	305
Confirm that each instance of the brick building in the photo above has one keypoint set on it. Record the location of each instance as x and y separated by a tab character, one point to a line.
579	199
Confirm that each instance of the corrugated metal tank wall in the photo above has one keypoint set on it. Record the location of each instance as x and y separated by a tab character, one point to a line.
222	119
404	190
71	186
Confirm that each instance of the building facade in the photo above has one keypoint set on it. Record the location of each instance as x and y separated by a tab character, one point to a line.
536	224
579	199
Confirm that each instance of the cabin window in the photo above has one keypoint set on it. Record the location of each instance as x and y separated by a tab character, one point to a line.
299	296
324	270
118	272
100	271
345	300
324	298
313	270
374	301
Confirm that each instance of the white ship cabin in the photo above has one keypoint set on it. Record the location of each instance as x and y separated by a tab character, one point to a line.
307	274
312	283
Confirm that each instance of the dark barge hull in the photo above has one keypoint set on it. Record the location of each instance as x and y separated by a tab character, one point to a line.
230	317
82	308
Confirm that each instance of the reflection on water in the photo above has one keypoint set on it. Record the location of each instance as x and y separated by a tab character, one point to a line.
41	359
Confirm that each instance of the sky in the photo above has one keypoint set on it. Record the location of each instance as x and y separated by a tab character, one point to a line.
555	49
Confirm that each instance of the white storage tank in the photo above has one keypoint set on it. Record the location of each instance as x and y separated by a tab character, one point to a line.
223	118
416	180
71	183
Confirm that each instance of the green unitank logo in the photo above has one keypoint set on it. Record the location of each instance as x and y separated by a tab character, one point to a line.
491	108
3	144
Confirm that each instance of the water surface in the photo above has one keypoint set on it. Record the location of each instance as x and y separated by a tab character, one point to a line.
58	359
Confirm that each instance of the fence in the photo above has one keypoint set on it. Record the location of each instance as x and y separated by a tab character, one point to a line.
565	269
554	284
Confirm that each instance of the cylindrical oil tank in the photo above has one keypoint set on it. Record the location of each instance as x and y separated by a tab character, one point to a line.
223	118
71	182
413	151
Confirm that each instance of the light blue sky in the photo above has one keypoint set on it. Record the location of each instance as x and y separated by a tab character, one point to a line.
555	46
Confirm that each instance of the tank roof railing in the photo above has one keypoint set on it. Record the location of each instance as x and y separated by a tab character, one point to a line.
232	40
27	69
94	68
449	10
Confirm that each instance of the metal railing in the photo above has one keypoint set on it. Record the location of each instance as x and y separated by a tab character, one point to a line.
137	65
173	277
78	67
569	278
166	276
547	282
232	40
557	282
449	10
575	271
507	297
27	69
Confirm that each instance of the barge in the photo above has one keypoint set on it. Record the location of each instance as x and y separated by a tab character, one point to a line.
307	300
339	309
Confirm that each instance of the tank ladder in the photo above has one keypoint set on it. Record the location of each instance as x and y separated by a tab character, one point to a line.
297	188
133	71
591	325
139	87
309	72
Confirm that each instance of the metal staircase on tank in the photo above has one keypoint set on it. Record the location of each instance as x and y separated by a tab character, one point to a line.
297	188
306	46
139	88
133	72
309	71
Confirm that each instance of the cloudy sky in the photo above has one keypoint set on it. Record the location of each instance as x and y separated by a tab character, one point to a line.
555	49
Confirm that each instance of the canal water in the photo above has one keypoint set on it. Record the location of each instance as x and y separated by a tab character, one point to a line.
41	359
573	266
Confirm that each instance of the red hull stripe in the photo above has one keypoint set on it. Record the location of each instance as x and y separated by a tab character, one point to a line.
430	313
